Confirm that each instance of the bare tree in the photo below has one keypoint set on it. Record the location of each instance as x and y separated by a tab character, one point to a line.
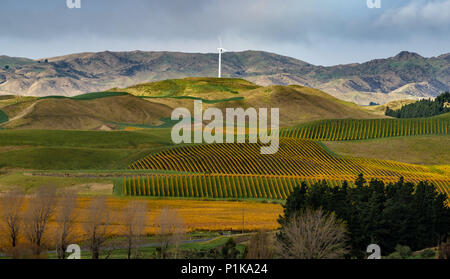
40	209
65	220
97	225
261	246
134	218
11	207
170	231
313	234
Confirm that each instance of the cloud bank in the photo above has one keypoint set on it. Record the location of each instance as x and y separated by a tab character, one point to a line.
318	31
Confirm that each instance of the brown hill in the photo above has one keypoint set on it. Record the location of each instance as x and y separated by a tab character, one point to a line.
97	114
297	104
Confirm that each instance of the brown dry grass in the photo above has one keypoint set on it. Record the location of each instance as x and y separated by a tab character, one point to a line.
197	215
66	114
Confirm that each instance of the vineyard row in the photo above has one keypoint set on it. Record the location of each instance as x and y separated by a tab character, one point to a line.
359	129
295	157
229	186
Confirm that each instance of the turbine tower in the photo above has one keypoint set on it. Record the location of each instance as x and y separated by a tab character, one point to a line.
221	50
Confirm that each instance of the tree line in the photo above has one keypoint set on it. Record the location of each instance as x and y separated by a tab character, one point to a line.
31	225
422	108
402	213
318	222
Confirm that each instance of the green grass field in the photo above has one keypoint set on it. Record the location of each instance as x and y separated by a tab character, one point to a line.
208	241
424	150
3	117
86	139
28	182
75	150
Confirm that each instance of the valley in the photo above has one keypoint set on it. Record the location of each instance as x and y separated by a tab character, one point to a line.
117	144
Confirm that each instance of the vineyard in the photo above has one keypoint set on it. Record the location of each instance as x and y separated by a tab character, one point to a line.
361	129
217	186
295	157
240	171
213	186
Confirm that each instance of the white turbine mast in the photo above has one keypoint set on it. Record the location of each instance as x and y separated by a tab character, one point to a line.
221	50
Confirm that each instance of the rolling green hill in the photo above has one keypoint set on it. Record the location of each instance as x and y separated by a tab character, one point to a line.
151	105
75	150
297	104
195	87
96	111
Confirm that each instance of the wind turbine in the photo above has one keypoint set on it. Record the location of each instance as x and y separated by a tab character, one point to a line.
221	50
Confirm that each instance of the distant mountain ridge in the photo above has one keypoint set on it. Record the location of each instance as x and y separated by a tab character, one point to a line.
404	76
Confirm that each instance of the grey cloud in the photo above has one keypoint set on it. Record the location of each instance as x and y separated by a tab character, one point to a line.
311	27
418	16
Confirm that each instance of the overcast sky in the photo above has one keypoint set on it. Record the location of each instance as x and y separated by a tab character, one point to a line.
321	32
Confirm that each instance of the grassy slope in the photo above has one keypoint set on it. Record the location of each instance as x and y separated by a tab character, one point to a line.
74	150
393	105
87	96
151	252
58	150
103	110
297	104
14	61
29	183
427	150
3	117
88	112
195	87
445	116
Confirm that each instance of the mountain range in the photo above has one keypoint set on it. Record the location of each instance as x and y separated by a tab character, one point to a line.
404	76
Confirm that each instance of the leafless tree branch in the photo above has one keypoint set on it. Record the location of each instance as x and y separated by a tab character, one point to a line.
40	209
11	213
134	219
171	231
313	234
65	220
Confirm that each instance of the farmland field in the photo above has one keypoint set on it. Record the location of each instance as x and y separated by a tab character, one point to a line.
214	186
424	150
351	129
220	173
197	215
331	140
